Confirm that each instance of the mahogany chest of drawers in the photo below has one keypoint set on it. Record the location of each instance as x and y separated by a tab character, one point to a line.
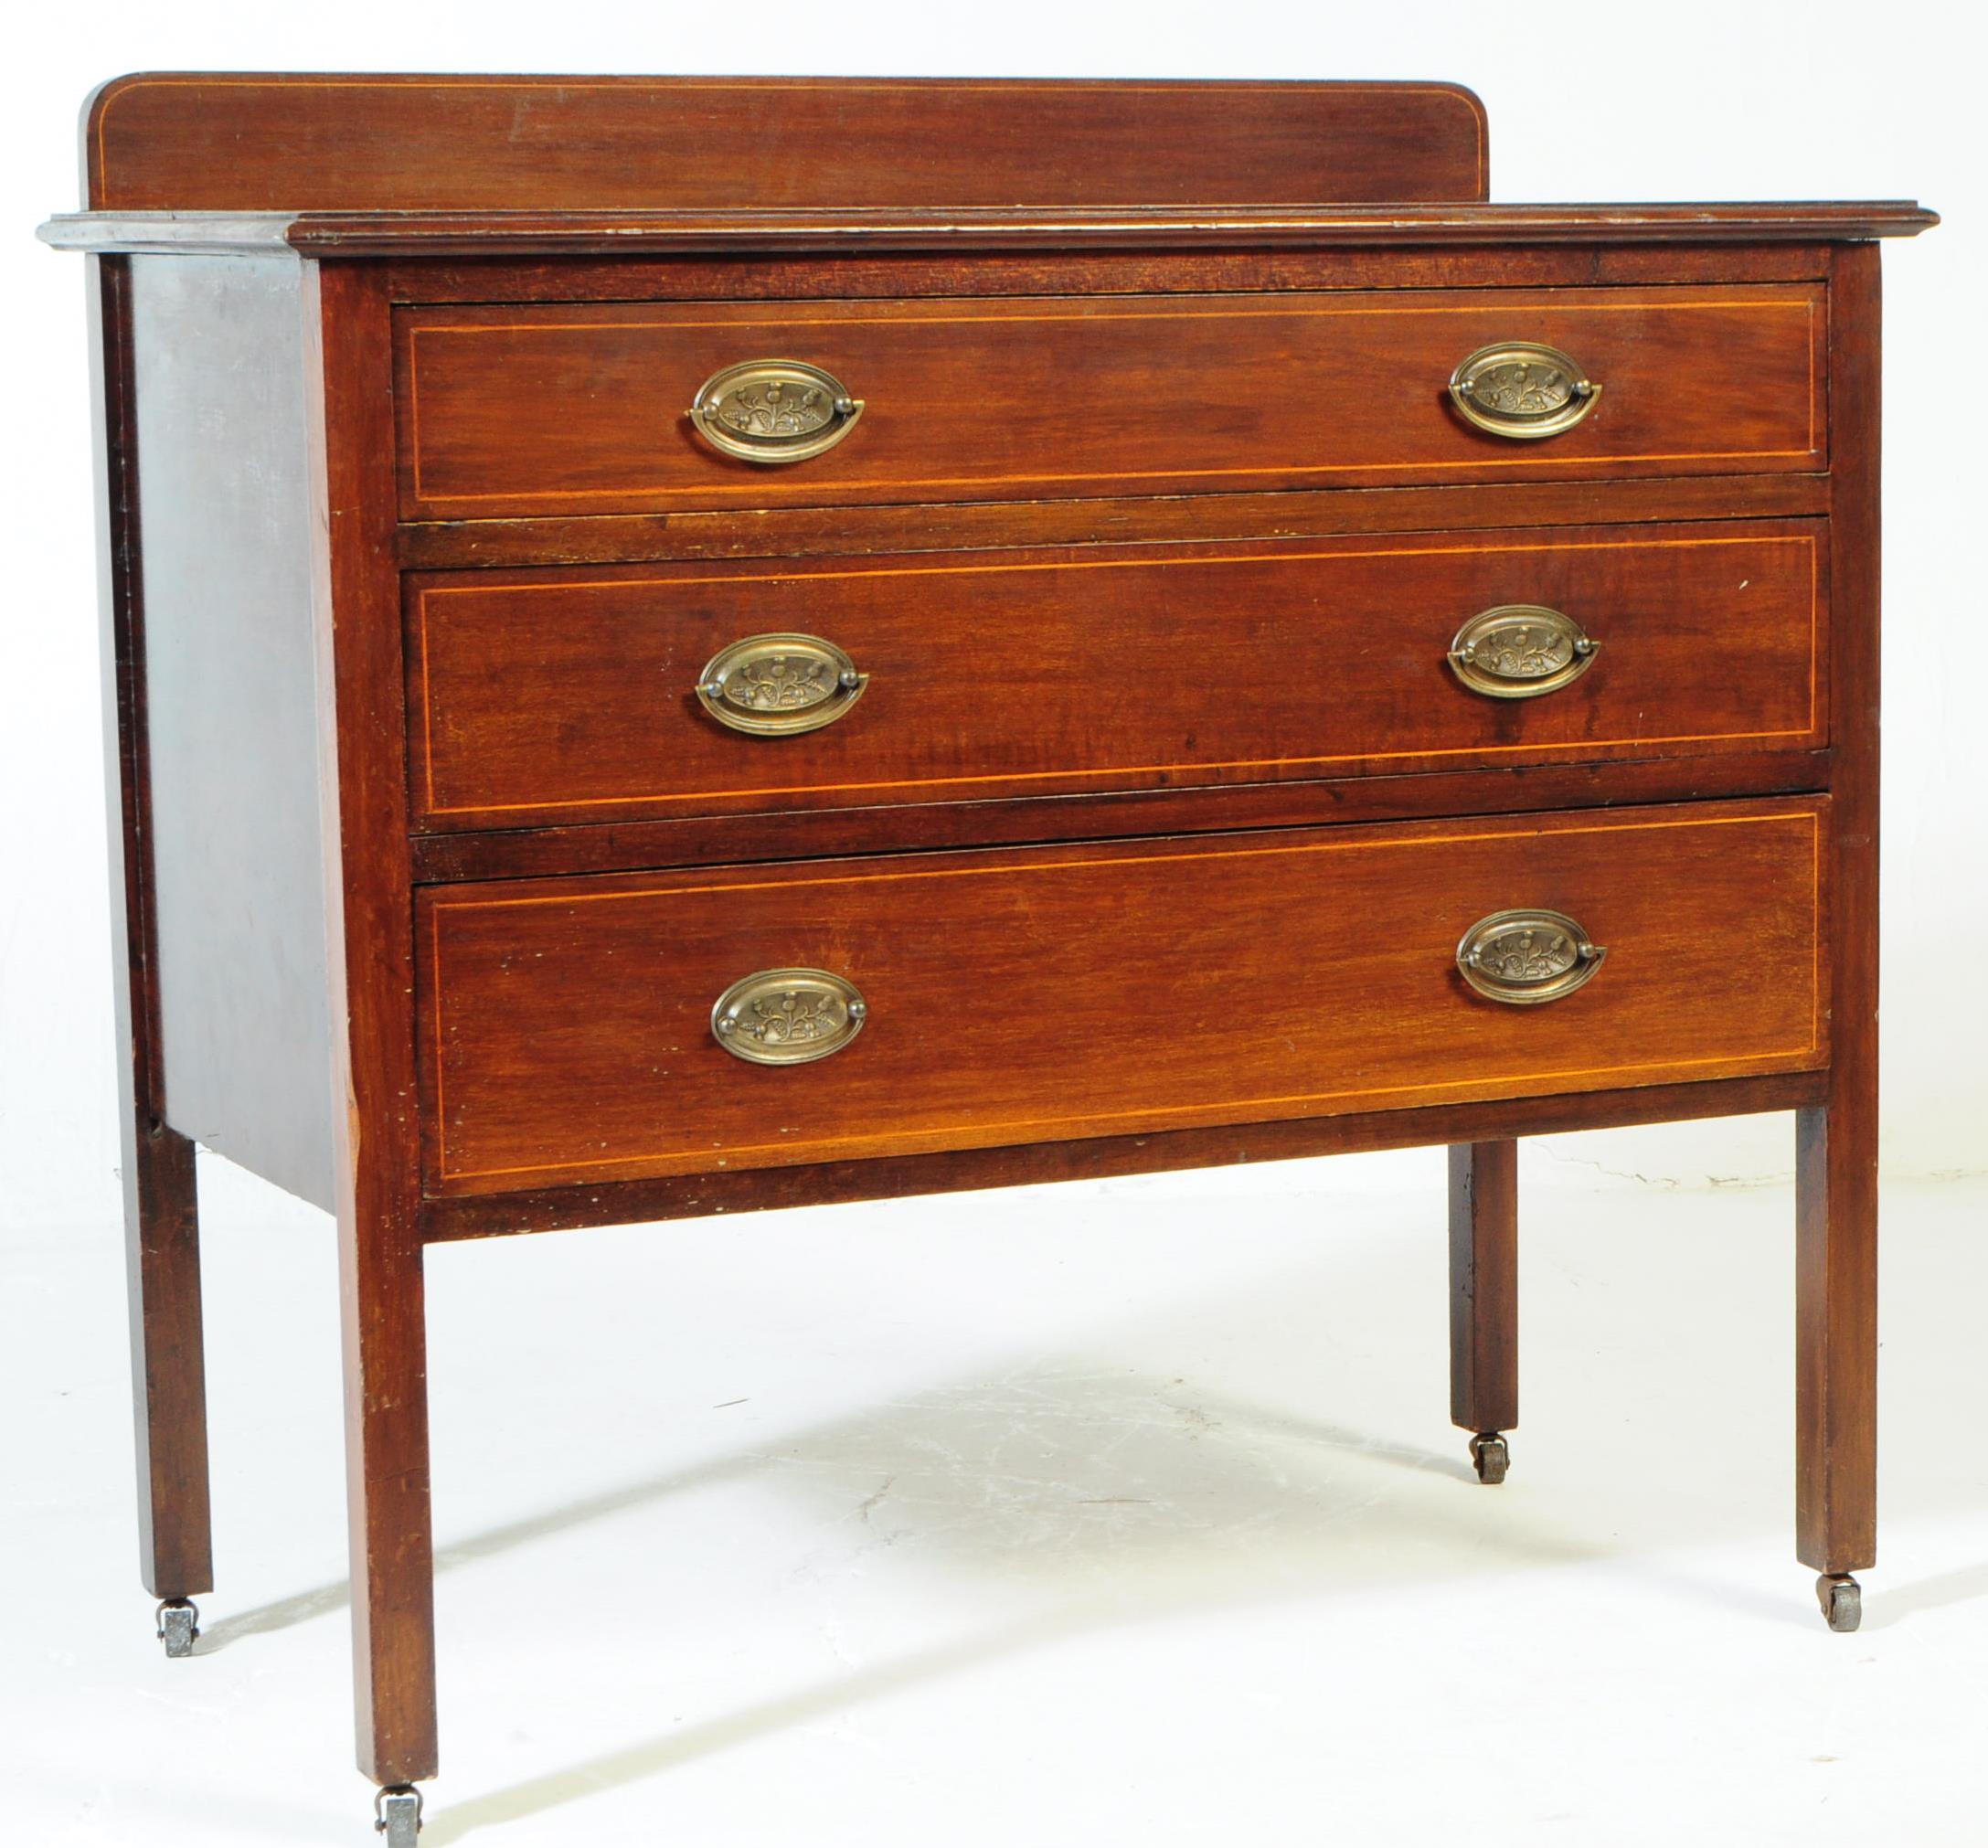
677	646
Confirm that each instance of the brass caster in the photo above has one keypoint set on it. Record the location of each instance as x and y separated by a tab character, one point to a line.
1492	1457
179	1624
1841	1598
397	1815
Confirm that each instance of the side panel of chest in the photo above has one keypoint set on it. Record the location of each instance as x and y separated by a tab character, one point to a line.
231	519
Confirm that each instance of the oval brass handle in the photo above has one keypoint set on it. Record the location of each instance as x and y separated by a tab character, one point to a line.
1522	958
1520	388
776	685
788	1017
773	410
1519	651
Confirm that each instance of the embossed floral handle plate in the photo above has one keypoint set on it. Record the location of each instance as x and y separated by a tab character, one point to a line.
788	1017
1525	958
776	685
1520	388
773	410
1519	651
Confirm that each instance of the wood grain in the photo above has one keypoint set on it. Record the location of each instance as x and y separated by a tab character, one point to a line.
974	267
161	1217
759	1189
754	232
551	697
1836	1143
802	532
364	788
1150	843
243	141
1016	821
1483	1285
641	236
582	407
1073	992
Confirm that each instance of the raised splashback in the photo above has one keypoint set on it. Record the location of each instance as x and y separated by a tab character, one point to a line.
201	142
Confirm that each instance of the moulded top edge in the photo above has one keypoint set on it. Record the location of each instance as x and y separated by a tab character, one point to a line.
526	233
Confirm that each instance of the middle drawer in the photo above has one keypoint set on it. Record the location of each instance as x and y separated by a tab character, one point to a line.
560	696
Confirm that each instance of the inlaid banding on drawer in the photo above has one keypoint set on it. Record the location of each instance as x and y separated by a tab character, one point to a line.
1028	996
535	408
566	697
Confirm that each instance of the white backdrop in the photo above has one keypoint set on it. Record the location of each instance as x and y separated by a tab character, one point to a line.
1685	102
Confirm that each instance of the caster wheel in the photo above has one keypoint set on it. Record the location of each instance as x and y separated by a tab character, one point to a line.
397	1815
1841	1598
179	1624
1492	1457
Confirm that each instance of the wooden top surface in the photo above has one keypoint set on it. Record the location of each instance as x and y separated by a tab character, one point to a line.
552	234
245	142
378	165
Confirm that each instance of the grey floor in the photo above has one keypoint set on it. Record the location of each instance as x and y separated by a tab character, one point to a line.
1118	1513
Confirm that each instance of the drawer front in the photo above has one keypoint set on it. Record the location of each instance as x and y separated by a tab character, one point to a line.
552	698
1033	995
585	408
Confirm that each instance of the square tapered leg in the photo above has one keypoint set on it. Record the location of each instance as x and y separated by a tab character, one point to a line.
1484	1298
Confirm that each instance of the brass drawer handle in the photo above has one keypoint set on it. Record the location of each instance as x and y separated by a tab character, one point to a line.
1524	958
1520	388
776	685
1519	651
773	410
788	1017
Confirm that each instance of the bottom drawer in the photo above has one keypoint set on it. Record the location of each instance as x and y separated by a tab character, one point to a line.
1021	995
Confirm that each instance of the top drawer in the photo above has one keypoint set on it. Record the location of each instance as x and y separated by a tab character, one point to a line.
552	408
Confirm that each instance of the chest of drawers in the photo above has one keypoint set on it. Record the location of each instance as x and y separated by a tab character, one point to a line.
672	649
